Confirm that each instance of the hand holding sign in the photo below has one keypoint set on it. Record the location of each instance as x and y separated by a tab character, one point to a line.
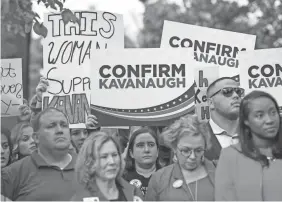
25	112
91	122
41	88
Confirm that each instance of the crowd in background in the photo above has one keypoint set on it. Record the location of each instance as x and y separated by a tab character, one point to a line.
235	156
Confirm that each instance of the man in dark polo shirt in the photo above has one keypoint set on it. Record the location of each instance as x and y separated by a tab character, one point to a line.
224	98
48	173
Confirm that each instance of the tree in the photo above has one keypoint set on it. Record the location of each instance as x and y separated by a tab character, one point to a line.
219	14
17	20
17	15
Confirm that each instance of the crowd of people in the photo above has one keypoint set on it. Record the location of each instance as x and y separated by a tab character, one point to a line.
236	156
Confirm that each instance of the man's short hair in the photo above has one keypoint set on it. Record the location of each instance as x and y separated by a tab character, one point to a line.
36	121
216	81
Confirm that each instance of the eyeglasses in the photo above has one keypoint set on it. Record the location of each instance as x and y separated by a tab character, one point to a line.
187	152
228	91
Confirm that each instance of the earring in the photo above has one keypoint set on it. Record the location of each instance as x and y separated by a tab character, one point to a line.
174	158
203	159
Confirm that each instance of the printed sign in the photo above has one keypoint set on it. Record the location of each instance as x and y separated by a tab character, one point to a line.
11	87
211	47
134	87
262	70
69	92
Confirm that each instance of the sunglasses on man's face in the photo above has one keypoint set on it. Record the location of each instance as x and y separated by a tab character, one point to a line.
228	91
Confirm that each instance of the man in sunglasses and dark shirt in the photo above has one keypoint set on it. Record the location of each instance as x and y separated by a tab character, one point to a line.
224	98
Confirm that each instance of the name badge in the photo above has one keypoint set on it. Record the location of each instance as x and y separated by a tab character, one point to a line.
91	199
137	199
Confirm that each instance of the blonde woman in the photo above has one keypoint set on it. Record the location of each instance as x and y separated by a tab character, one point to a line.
22	140
99	170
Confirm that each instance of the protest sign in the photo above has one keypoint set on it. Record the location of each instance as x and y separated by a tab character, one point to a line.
11	87
262	70
211	47
71	44
69	92
134	87
204	76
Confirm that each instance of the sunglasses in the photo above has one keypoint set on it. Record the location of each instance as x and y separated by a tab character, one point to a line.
228	91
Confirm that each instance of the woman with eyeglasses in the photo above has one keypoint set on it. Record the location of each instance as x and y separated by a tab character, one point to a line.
251	169
191	177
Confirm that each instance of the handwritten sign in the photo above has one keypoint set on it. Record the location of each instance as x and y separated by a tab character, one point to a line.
71	44
211	47
134	87
11	87
69	92
70	47
262	70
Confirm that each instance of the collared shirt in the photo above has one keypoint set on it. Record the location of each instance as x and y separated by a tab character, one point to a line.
32	179
222	136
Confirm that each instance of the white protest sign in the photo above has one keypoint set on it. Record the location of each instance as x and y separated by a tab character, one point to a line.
262	70
72	44
69	91
211	47
11	87
141	86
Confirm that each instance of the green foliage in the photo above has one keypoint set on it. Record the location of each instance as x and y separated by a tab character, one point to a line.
219	14
17	15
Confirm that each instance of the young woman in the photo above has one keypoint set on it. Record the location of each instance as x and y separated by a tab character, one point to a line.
99	169
251	170
22	140
141	159
6	148
191	177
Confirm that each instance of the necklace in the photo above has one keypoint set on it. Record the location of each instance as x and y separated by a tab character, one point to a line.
194	197
271	158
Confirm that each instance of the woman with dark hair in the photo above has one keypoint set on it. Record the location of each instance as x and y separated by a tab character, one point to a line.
6	148
251	170
141	159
